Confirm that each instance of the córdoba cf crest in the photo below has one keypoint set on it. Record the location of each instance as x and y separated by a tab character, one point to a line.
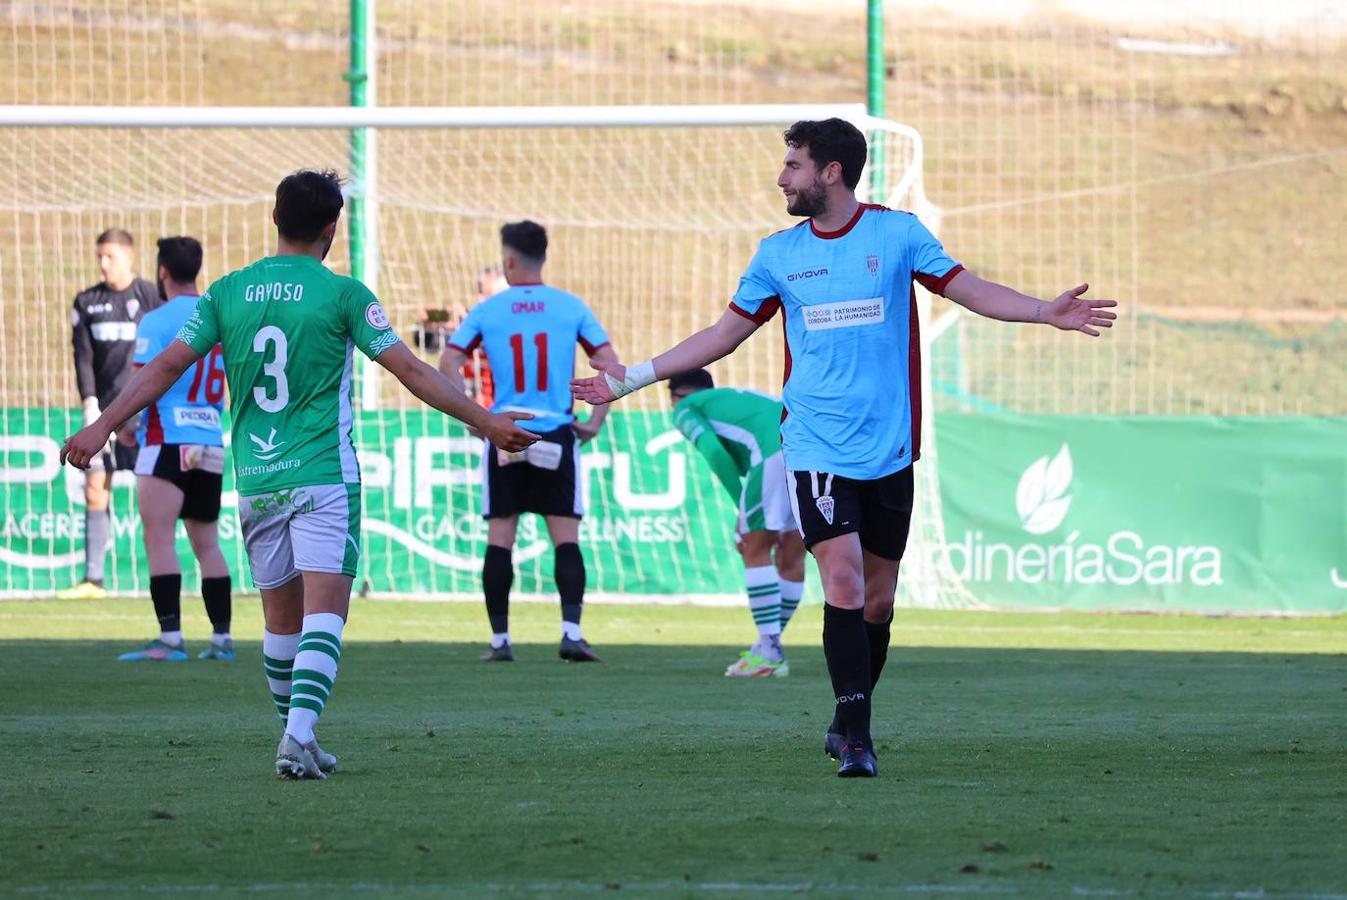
825	506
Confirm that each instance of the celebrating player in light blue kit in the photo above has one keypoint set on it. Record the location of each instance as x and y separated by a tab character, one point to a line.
843	280
529	333
180	466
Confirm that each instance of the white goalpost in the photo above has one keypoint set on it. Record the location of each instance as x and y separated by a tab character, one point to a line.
654	211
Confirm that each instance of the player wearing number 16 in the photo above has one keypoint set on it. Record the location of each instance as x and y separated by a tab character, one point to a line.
180	465
287	326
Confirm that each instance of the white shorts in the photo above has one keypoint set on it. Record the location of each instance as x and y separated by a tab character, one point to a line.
764	502
303	529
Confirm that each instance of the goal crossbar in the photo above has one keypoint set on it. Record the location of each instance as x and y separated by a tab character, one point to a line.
929	576
422	116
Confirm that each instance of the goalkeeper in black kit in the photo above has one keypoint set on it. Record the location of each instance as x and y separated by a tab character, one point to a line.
103	333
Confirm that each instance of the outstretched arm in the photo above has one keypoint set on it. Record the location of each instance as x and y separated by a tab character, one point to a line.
1069	311
701	349
589	428
145	387
437	391
451	365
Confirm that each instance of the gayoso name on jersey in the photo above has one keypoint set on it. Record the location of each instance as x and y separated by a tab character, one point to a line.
283	291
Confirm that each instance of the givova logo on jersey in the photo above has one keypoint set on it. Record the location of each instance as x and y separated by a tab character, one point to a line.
1043	500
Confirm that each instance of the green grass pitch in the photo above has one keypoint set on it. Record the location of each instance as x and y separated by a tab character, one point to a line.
1026	755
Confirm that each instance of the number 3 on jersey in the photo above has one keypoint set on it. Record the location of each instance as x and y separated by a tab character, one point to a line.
517	345
270	341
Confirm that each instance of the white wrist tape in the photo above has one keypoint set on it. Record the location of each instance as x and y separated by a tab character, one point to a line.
91	410
638	376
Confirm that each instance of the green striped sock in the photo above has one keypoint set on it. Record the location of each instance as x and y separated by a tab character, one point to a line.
791	592
314	673
764	599
278	661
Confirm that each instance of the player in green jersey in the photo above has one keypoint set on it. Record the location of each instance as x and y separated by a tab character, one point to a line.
287	326
739	435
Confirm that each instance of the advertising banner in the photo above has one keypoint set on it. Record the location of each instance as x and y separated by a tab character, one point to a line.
1147	513
1089	513
657	525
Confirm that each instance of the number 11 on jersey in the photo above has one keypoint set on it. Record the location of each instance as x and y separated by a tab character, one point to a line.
517	345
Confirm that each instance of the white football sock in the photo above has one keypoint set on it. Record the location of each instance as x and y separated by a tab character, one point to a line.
278	660
764	598
314	674
791	592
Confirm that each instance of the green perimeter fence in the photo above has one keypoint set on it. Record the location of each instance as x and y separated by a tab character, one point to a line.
1192	514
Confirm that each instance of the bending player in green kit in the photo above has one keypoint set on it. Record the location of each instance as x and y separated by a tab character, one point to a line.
287	325
738	433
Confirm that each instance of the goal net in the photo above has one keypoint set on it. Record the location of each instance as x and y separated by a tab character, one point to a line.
651	224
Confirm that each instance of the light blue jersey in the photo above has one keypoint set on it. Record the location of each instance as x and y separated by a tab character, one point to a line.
189	411
853	357
529	333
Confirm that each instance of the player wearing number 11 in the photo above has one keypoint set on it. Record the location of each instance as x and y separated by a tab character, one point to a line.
529	333
287	326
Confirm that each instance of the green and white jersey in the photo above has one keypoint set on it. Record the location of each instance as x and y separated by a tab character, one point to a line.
735	430
287	325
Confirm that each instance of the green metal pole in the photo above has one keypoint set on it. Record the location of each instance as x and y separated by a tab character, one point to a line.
874	96
358	77
362	218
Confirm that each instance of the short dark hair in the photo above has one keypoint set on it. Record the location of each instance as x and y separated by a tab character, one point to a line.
831	140
116	236
181	256
307	201
697	379
527	238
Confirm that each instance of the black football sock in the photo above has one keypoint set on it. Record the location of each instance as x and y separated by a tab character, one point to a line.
166	593
847	650
569	574
497	577
878	633
219	609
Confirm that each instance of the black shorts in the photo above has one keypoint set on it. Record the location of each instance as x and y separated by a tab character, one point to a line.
544	479
880	511
179	464
122	458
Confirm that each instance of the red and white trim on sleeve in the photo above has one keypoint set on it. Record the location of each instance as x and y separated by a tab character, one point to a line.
764	313
937	285
466	351
591	349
